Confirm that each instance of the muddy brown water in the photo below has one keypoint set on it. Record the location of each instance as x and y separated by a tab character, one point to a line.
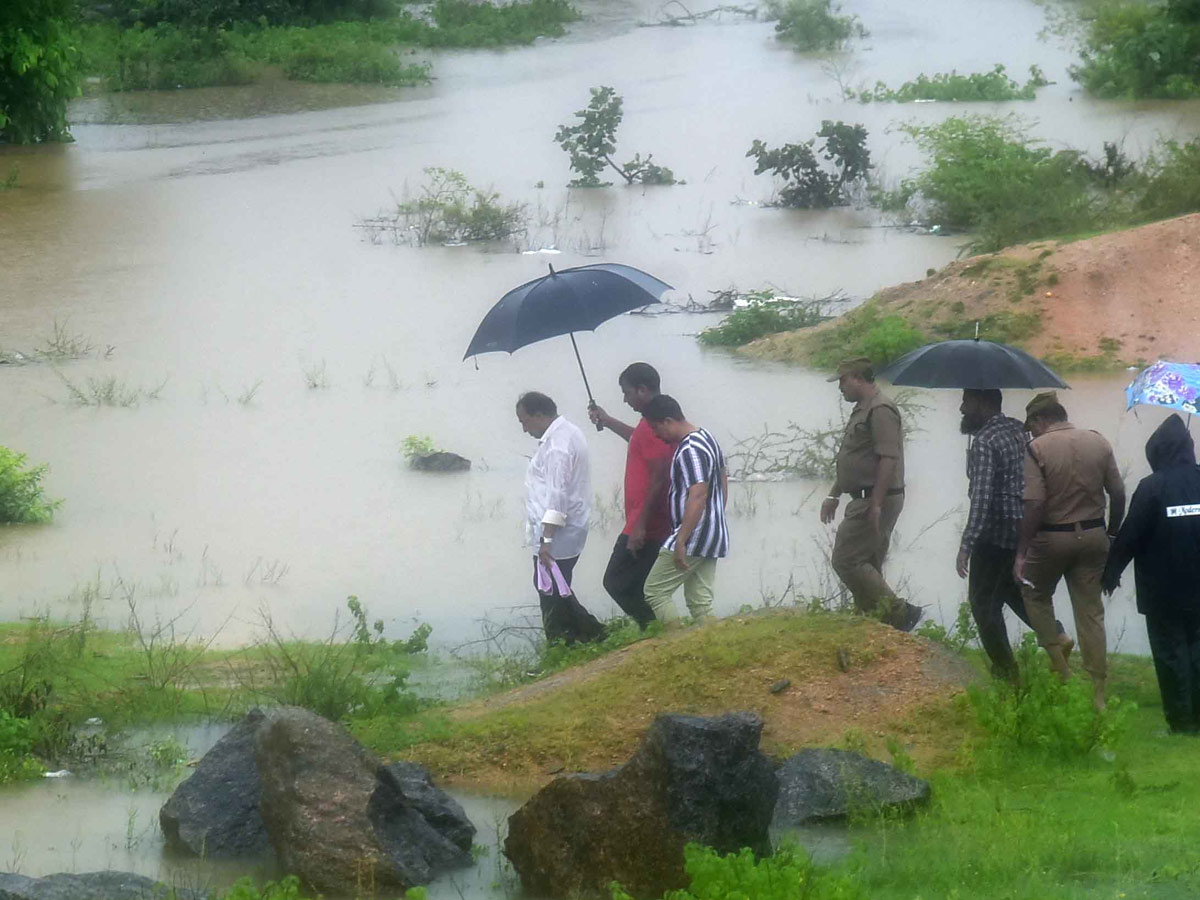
206	236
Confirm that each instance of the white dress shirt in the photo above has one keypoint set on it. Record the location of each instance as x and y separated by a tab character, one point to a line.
558	489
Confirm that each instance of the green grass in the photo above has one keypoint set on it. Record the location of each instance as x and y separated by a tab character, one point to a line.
367	52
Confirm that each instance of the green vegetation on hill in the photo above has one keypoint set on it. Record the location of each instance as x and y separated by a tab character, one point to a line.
1133	49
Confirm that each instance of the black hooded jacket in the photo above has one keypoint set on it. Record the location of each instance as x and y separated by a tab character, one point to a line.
1162	532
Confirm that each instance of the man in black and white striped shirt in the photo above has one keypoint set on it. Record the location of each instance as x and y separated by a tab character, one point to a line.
700	536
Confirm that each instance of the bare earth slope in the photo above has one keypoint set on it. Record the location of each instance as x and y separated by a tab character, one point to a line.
1117	298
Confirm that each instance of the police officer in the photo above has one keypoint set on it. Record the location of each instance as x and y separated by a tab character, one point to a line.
1068	470
870	468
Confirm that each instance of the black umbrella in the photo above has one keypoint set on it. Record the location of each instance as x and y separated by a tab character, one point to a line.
971	364
564	302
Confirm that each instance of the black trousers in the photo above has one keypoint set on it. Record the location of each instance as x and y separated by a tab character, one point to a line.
1175	646
565	618
990	588
625	578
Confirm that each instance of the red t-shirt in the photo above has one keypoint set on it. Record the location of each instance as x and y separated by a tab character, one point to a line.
644	446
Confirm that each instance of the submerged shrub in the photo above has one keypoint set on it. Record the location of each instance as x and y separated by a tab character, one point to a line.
807	183
810	25
22	499
592	141
954	88
764	314
450	211
985	174
1042	713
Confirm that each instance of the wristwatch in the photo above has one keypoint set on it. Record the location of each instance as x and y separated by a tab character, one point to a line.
547	540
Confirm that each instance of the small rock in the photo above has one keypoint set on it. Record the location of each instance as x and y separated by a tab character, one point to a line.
780	686
843	659
820	784
440	461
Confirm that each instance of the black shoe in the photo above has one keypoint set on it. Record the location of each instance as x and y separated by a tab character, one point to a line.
906	617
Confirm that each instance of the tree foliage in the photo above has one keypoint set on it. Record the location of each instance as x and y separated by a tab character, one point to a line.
1134	49
808	184
37	70
813	25
592	141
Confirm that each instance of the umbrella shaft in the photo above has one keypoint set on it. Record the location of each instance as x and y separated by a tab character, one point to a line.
579	360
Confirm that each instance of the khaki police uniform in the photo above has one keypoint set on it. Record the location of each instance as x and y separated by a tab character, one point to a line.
1070	469
873	430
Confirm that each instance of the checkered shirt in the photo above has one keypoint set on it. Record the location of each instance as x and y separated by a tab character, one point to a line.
996	471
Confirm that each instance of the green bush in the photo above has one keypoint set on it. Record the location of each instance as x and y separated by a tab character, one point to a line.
788	874
763	315
987	175
1043	714
811	25
1133	49
808	184
1171	181
450	211
954	88
38	70
21	497
864	331
592	141
462	23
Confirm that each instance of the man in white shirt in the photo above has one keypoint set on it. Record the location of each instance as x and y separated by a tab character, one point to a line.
558	491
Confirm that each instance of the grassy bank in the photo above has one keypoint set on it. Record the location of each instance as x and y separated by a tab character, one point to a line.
1051	808
375	51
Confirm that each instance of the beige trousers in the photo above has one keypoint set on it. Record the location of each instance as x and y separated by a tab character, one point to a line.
1079	557
664	579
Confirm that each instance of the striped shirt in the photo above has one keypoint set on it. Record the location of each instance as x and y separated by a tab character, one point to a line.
698	459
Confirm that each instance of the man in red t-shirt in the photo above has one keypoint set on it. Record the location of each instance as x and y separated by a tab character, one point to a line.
647	517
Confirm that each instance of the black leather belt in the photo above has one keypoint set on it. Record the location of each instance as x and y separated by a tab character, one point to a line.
864	493
1085	525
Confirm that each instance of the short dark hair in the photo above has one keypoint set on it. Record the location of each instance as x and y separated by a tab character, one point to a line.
640	374
989	397
536	403
661	408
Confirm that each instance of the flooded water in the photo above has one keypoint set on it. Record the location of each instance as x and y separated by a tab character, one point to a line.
88	824
215	254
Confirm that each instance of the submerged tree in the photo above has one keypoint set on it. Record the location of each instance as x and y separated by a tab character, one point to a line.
37	70
807	183
592	141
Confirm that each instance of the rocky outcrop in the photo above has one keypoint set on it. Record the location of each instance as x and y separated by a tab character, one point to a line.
823	784
88	886
439	809
692	779
440	461
214	813
312	795
338	818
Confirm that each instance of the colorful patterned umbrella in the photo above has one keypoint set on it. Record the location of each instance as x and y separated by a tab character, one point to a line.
1174	385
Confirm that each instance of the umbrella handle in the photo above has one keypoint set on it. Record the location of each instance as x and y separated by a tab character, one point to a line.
586	386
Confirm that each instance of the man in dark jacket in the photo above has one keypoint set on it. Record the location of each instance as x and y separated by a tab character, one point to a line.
1162	536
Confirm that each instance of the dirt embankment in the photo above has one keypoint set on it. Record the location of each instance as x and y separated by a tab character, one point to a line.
1115	299
850	680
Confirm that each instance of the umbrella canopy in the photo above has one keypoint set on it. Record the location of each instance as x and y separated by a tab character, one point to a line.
1174	385
560	303
974	364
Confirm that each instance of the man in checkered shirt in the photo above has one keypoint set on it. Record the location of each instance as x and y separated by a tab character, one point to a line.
996	472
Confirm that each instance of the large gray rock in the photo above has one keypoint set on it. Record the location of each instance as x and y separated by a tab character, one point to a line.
823	784
334	814
440	461
692	779
439	809
214	813
88	886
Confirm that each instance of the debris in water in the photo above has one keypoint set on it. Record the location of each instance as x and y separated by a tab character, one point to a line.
549	251
61	773
94	720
